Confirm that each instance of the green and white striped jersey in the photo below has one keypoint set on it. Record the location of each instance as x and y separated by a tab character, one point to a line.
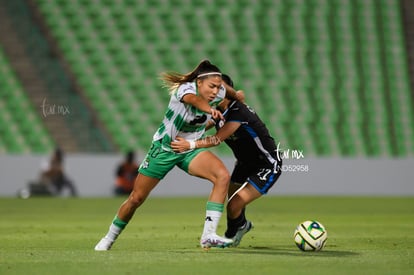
184	120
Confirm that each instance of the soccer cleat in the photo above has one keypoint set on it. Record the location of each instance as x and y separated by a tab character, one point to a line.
241	231
213	240
104	244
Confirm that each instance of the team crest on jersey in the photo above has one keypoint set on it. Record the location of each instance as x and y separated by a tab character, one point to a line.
145	164
221	123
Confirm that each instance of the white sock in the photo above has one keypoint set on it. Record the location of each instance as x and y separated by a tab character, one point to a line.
113	232
116	228
213	215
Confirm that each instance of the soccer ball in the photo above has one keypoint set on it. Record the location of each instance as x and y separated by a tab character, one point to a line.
310	236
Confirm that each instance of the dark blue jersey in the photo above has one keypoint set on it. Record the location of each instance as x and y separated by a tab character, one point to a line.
252	143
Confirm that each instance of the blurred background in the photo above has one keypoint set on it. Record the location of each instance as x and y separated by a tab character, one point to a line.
332	79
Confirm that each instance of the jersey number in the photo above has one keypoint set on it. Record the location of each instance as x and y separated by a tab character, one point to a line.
263	173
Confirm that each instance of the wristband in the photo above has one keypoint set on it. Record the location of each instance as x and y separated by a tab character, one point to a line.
192	144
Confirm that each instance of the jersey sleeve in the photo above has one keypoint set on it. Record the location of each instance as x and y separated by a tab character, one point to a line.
186	88
236	113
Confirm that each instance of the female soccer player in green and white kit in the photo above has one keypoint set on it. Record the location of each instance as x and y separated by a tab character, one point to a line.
194	97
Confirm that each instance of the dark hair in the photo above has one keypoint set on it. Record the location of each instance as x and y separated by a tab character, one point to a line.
206	67
226	78
173	79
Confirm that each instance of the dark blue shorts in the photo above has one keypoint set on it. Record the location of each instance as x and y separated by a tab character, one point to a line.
261	177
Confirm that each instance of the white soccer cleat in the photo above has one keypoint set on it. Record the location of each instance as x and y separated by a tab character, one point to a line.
213	240
104	244
241	231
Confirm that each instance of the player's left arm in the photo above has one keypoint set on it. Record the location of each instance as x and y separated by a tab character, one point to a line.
231	93
202	105
182	145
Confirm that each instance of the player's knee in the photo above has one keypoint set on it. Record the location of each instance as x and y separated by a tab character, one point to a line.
223	177
135	199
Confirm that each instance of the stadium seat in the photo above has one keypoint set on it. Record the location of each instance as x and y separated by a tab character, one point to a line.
21	129
307	67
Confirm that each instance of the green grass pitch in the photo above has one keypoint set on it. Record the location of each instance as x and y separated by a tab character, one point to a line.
57	236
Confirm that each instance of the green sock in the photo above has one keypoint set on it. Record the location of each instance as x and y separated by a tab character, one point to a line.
119	223
215	206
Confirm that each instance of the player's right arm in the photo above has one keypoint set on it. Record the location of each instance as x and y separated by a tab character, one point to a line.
231	93
182	145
